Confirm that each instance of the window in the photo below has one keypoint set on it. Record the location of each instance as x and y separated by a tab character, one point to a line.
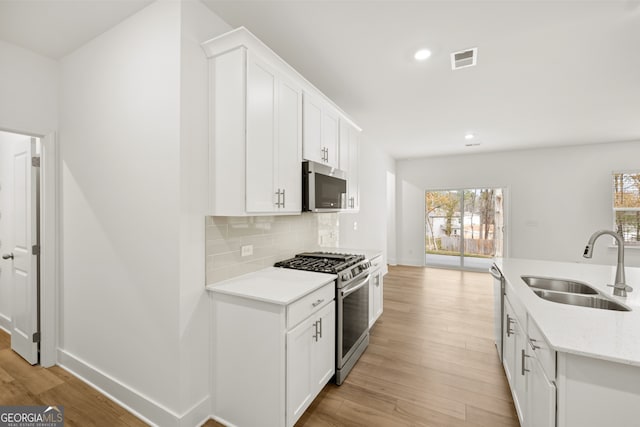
626	206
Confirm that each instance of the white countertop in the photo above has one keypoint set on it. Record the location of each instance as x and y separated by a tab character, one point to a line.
604	334
274	285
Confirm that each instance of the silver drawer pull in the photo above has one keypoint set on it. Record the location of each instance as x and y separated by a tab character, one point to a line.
509	320
317	303
524	356
533	344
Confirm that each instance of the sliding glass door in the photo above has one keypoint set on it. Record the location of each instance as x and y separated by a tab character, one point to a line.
464	227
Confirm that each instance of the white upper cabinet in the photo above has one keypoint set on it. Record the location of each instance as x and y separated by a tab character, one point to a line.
320	131
273	139
261	127
256	145
289	148
349	161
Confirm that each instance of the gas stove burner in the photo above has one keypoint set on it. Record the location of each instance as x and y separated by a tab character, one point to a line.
322	262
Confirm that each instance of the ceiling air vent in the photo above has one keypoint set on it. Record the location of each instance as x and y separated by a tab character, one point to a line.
464	58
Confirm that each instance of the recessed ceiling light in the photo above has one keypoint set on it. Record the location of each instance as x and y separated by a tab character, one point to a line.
468	136
422	54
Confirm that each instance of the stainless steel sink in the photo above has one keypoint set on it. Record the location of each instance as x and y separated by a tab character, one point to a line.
581	300
560	285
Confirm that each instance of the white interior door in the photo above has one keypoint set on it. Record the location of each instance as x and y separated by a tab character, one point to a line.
24	315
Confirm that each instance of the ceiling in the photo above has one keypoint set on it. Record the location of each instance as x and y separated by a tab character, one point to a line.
549	72
55	28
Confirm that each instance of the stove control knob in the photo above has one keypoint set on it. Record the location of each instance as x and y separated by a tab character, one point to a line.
345	277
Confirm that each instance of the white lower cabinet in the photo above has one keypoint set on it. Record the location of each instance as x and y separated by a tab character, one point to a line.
269	361
541	394
376	290
529	363
513	342
310	360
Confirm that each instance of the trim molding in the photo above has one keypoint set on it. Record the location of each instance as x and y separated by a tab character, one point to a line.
198	414
50	258
5	323
137	403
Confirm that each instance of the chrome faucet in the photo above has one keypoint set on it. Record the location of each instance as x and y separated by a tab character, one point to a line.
620	288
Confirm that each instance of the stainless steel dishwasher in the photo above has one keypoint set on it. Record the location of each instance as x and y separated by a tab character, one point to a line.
498	306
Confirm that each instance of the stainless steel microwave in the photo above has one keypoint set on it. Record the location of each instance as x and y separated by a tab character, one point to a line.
324	189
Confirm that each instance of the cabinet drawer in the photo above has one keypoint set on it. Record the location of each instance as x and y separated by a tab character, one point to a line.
306	306
544	353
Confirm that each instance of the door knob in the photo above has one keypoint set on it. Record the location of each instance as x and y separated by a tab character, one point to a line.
7	256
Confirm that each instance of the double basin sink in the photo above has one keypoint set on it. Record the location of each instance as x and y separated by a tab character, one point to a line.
570	292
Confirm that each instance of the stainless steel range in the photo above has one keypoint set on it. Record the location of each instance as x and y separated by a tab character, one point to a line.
352	301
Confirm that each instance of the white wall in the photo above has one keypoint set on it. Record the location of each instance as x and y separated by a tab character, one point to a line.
557	197
198	24
120	161
372	217
28	91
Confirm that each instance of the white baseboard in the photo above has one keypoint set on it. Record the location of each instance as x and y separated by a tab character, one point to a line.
140	405
198	414
413	262
392	261
5	323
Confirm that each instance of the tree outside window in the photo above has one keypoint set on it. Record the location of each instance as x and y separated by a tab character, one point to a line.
626	206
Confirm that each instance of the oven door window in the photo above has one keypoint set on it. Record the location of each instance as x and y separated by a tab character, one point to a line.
355	318
331	192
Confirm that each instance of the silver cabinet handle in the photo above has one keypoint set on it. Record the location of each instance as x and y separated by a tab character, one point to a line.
378	281
524	356
509	320
320	322
315	336
278	202
284	200
533	345
317	303
7	256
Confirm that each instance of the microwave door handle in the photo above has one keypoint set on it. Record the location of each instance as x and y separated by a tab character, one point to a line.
354	288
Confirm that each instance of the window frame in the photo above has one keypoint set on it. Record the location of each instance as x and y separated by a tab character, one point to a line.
622	209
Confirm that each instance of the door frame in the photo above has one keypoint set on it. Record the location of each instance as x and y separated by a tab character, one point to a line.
506	235
49	244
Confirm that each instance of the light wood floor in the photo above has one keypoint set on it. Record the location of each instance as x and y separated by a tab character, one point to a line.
431	362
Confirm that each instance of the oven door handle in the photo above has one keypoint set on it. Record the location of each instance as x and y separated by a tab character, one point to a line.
354	288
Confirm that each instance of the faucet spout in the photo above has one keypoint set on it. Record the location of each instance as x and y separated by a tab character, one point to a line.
620	288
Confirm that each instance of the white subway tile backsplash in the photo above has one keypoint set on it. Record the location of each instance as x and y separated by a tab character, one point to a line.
274	238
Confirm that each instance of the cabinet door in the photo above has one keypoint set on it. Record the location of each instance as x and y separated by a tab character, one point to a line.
541	396
513	340
300	373
324	352
353	189
344	144
312	148
330	133
289	147
261	137
509	346
377	295
519	376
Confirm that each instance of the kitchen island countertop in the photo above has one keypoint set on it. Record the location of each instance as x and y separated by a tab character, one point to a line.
604	334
